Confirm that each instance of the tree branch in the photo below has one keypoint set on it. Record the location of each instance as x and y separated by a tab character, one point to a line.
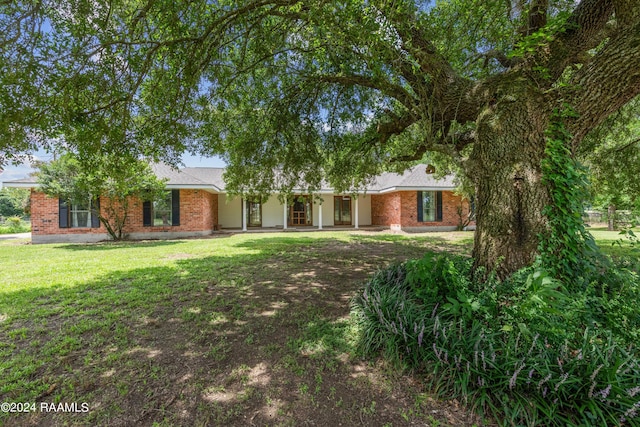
537	18
627	12
451	145
607	82
502	59
586	29
625	146
427	56
451	96
395	127
392	90
413	157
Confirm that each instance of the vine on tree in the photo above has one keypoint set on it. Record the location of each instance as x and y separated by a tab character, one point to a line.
568	250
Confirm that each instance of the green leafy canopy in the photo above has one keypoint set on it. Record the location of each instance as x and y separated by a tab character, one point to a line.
318	89
112	179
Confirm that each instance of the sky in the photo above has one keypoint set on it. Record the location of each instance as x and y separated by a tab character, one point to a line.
22	171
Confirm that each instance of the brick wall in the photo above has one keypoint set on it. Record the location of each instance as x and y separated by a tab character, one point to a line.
386	209
198	212
210	209
402	208
45	221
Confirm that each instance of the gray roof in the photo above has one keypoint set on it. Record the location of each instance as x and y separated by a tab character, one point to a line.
27	180
212	176
414	178
188	177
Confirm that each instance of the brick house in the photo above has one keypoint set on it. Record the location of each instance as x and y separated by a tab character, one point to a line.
197	204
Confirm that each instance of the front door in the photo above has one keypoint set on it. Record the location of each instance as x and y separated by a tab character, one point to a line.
254	214
300	211
342	210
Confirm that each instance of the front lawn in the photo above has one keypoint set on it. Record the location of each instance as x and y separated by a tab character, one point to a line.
231	330
248	329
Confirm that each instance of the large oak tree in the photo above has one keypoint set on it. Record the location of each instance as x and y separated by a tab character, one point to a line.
328	88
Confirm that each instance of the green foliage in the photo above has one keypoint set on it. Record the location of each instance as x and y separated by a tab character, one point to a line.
288	91
302	87
13	201
533	42
14	224
568	250
628	236
531	354
612	154
113	179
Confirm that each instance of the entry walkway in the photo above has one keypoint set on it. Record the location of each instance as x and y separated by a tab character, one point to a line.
15	236
301	229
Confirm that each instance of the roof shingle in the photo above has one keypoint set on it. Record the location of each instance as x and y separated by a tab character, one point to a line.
204	177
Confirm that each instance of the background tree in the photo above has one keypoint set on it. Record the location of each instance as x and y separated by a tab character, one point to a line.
336	89
612	154
13	201
109	182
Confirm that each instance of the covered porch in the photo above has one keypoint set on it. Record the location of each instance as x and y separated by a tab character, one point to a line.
303	213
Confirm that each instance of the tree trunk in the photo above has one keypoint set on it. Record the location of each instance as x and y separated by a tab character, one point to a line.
611	217
505	166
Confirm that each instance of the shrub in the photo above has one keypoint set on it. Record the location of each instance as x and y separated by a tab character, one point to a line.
14	222
14	225
522	350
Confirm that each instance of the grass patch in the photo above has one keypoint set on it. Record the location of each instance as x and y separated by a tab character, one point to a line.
249	328
213	331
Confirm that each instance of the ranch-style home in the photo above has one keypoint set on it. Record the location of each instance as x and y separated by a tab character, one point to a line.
197	204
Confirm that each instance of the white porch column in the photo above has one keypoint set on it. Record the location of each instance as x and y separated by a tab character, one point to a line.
284	220
356	218
320	216
244	215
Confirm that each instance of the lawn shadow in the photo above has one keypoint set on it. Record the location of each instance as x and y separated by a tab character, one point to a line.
257	338
109	244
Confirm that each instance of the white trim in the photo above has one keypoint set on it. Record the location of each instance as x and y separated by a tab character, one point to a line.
392	189
206	187
215	189
20	184
284	221
244	215
320	216
356	215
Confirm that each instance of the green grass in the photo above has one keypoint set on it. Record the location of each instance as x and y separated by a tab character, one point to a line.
615	244
163	331
218	326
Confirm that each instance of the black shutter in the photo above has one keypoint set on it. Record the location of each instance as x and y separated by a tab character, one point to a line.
438	205
95	210
420	208
175	207
63	213
146	214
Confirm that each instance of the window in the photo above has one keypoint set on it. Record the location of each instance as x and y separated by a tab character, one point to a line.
254	214
342	210
81	215
301	211
429	206
164	212
78	215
